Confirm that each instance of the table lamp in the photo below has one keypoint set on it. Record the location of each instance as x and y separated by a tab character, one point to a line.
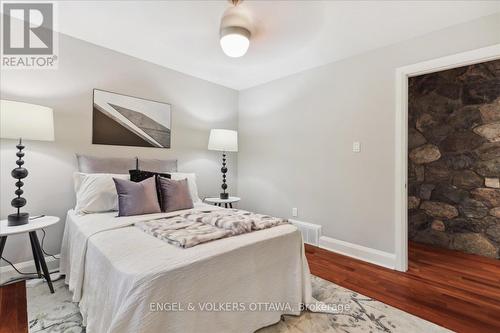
225	141
29	122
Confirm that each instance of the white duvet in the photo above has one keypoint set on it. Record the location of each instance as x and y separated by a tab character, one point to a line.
129	281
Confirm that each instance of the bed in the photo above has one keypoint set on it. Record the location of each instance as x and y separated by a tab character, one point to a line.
126	280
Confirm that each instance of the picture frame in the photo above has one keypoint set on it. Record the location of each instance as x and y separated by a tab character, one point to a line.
124	120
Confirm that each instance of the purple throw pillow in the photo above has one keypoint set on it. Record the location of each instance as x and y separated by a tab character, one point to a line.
175	194
137	198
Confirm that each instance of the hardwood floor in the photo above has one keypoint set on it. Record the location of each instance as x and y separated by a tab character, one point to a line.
13	314
452	289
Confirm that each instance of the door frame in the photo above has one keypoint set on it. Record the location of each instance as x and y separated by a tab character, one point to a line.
401	164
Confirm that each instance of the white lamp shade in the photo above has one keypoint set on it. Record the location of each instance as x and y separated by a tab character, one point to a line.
26	121
223	140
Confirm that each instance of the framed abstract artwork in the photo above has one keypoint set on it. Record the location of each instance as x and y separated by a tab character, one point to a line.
130	121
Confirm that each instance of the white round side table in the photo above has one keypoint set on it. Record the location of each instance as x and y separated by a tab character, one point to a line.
31	227
227	202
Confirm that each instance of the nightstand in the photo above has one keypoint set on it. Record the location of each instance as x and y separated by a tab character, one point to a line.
30	228
227	202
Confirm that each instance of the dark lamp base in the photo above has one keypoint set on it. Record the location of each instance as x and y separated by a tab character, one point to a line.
18	219
224	195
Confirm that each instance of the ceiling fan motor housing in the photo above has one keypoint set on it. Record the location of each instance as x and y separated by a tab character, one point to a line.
236	20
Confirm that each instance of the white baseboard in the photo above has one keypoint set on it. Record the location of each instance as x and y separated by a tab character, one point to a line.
310	232
370	255
7	272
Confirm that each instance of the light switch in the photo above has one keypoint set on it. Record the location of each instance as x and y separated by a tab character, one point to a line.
295	212
356	147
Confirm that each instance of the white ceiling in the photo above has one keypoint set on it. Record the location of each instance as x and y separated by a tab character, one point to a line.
290	36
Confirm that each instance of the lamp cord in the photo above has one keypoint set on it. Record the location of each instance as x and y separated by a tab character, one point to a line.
44	252
18	271
28	278
23	273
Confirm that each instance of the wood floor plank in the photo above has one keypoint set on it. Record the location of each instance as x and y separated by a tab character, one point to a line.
13	313
452	289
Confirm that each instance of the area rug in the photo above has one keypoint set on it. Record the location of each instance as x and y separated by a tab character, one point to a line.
55	313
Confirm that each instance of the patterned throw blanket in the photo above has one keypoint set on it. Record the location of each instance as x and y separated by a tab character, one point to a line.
196	227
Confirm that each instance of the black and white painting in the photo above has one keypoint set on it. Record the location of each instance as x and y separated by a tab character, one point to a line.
129	121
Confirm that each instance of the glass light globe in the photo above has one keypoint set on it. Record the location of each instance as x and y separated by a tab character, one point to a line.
234	44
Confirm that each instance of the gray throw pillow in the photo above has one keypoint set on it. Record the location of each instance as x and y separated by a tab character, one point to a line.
137	198
175	194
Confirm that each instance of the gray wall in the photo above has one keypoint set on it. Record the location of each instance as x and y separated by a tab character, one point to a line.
197	106
296	137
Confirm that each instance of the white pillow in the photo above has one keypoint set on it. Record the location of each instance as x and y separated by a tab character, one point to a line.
191	178
96	192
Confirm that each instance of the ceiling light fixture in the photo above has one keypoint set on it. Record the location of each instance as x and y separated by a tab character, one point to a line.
235	30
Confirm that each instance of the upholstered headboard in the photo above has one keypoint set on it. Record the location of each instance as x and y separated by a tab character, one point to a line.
94	164
156	165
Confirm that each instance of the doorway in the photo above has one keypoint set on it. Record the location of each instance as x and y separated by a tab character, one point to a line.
401	164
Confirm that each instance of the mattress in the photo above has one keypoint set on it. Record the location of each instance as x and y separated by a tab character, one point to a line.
128	281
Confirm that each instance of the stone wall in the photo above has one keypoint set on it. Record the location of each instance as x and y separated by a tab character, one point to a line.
454	159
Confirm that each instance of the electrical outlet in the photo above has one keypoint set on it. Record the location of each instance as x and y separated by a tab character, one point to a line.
356	147
295	212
